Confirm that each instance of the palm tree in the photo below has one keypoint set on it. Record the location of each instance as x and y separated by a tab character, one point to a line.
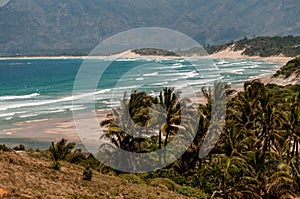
60	151
294	132
169	117
271	120
169	100
283	184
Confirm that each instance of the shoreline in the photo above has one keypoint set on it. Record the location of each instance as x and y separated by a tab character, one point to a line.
225	54
56	128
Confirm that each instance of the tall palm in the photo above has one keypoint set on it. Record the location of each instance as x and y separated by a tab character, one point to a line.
294	133
170	113
271	120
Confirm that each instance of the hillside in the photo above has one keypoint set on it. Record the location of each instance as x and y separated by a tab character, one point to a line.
288	46
74	27
29	175
289	74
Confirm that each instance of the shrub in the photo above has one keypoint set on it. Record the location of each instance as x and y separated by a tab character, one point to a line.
164	183
87	173
60	151
21	147
56	165
131	178
3	147
192	192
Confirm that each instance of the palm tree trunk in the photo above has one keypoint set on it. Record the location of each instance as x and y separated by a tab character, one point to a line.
297	152
159	146
165	144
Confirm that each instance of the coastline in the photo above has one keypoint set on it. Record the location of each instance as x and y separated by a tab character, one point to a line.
225	54
54	129
57	128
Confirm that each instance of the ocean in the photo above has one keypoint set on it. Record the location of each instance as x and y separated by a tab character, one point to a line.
40	89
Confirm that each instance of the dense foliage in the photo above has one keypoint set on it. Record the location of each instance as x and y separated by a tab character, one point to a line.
264	46
154	52
257	155
291	67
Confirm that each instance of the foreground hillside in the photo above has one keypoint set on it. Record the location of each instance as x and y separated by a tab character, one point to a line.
26	176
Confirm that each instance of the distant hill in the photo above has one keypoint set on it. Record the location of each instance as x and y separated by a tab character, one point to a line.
55	27
288	46
154	52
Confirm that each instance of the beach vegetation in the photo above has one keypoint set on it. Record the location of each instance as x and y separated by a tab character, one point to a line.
292	67
263	46
3	147
257	155
20	147
87	173
60	151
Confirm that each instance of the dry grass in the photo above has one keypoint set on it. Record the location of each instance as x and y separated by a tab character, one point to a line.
30	177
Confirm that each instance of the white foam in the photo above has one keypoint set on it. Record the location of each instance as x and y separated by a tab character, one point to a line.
29	115
151	74
19	96
46	102
139	79
177	65
11	114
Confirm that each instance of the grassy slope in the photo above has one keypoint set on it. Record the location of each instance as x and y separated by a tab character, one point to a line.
32	177
292	67
263	46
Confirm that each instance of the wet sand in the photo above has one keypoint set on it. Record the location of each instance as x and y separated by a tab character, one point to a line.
54	129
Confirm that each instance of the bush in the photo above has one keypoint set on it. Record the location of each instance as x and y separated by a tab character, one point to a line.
56	165
164	183
21	147
192	192
3	147
131	178
60	151
87	173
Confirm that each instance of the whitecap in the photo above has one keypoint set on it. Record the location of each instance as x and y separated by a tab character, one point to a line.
19	96
150	74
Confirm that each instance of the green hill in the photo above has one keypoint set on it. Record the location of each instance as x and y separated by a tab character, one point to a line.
292	67
288	46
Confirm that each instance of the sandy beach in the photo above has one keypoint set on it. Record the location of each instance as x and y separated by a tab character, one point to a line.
57	128
225	54
54	129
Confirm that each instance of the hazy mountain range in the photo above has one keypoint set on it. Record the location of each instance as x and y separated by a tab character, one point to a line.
77	26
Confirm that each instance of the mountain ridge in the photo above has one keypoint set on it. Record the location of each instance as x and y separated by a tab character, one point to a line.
55	27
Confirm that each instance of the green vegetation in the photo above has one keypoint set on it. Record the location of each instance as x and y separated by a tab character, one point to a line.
21	147
60	151
288	46
257	155
154	52
3	147
87	173
292	67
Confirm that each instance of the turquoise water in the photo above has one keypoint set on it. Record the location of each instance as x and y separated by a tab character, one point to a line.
34	89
